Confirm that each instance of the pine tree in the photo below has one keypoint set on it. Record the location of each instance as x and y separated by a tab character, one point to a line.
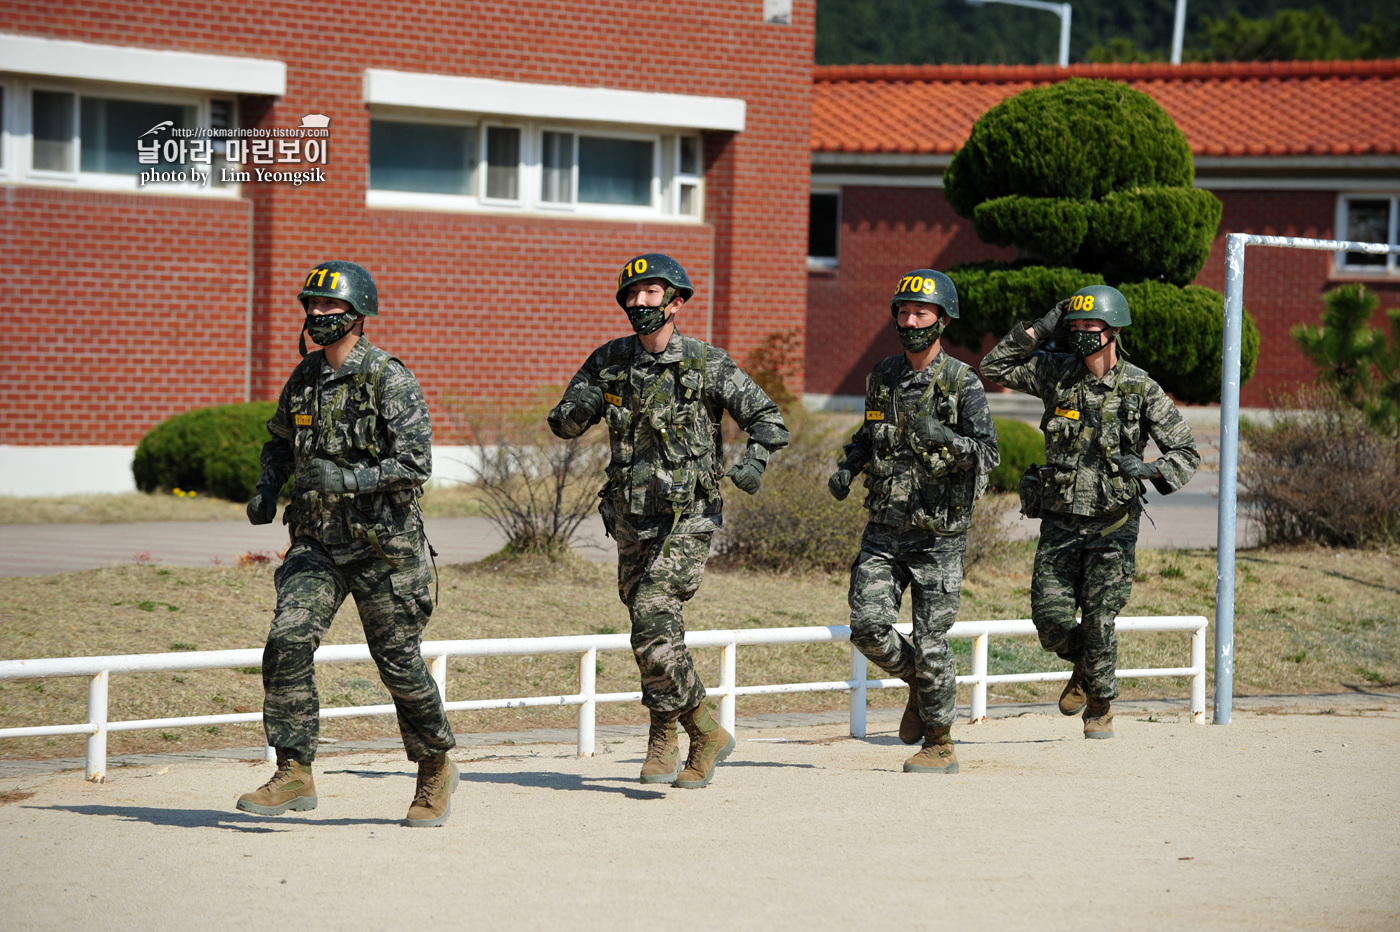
1362	363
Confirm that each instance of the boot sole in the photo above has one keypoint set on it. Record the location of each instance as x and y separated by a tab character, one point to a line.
430	823
300	804
660	777
1074	711
696	784
1098	734
917	768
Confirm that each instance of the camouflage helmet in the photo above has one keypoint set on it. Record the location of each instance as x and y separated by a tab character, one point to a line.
653	265
929	287
1099	302
344	280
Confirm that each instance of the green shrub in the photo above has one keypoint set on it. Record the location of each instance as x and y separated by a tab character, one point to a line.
1052	228
1178	336
1149	233
993	296
214	450
1078	139
1020	445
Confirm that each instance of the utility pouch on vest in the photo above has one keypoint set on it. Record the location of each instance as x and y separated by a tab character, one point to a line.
1031	491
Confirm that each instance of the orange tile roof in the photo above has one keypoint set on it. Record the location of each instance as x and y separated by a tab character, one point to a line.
1254	108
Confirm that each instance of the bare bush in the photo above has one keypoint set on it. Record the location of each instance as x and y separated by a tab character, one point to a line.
1320	472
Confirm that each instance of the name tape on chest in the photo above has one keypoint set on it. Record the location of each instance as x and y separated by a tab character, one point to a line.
874	415
612	399
303	420
1066	412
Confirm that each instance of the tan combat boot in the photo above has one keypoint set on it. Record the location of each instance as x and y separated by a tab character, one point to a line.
291	787
1098	720
937	755
709	744
1073	698
662	749
911	726
432	803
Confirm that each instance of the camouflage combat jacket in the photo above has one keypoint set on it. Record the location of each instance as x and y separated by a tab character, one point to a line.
908	485
369	416
663	415
1089	422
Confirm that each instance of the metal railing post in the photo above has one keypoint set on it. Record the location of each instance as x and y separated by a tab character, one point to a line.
979	679
858	676
727	661
588	710
97	716
438	667
1198	679
1229	460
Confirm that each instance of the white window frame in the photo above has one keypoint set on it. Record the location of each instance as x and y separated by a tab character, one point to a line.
678	177
1391	266
426	200
18	141
523	174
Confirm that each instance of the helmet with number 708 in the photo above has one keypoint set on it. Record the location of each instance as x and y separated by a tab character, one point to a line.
1099	302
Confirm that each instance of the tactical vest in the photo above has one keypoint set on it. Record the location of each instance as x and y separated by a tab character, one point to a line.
681	440
345	430
1081	475
934	497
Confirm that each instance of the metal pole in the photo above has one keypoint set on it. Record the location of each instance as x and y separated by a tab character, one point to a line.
1229	463
438	667
727	680
588	710
979	677
1065	13
858	676
1198	679
97	716
1178	31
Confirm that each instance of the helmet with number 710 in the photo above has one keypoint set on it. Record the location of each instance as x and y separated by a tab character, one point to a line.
653	265
343	280
1099	302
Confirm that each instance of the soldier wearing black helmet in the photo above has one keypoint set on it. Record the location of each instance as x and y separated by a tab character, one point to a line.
1100	411
352	427
926	445
662	395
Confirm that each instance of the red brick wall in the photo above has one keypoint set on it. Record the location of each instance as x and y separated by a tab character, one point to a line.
519	276
120	310
887	231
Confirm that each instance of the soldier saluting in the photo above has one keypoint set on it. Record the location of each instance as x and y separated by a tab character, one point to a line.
1100	411
662	395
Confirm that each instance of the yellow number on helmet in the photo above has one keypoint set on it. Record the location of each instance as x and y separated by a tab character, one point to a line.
929	286
641	266
1088	302
916	283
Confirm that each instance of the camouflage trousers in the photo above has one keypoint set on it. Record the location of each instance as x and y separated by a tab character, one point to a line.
654	586
879	576
1080	568
394	606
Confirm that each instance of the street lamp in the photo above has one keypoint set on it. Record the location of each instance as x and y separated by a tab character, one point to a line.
1061	10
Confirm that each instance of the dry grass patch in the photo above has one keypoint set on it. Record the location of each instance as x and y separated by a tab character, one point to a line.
1307	620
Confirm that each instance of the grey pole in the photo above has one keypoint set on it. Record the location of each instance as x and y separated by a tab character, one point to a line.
1229	462
1178	31
1062	10
1065	13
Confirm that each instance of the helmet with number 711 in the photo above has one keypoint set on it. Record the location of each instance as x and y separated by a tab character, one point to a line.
1099	302
343	280
929	287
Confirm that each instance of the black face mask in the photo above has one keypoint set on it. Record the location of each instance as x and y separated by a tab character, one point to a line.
325	329
1085	343
918	339
647	320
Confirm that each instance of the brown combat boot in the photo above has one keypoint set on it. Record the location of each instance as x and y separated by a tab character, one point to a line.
709	744
662	749
911	726
1098	720
1073	698
291	787
937	755
432	802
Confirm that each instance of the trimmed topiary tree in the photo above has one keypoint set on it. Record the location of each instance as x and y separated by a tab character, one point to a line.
1091	182
214	450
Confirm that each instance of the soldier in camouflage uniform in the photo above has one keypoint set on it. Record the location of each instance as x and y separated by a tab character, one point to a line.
1100	411
662	395
352	427
925	446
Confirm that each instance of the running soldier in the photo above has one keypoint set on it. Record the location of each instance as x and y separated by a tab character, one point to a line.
352	427
925	446
1100	411
662	395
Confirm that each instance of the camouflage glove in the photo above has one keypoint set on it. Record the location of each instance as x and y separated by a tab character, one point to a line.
1134	468
325	476
1048	324
747	475
840	484
588	405
263	508
930	432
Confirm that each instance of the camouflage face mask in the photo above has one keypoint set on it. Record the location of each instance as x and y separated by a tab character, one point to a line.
647	320
918	339
325	329
1085	343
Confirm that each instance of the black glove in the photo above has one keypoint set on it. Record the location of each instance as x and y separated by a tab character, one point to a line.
1134	468
325	476
930	432
747	475
588	405
1047	325
840	484
263	508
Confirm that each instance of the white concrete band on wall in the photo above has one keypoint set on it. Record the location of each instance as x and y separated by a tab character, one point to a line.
88	61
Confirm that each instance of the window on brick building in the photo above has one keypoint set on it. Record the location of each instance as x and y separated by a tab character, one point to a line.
422	157
1368	218
823	227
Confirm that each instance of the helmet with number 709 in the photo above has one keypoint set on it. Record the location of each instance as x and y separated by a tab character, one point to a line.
929	287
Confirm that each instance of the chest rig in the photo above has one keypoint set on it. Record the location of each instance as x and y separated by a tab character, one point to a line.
1082	445
663	437
906	485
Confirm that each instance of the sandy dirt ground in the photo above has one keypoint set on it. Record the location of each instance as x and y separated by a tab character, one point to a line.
1289	818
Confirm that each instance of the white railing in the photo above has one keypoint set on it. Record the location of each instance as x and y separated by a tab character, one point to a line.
100	669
